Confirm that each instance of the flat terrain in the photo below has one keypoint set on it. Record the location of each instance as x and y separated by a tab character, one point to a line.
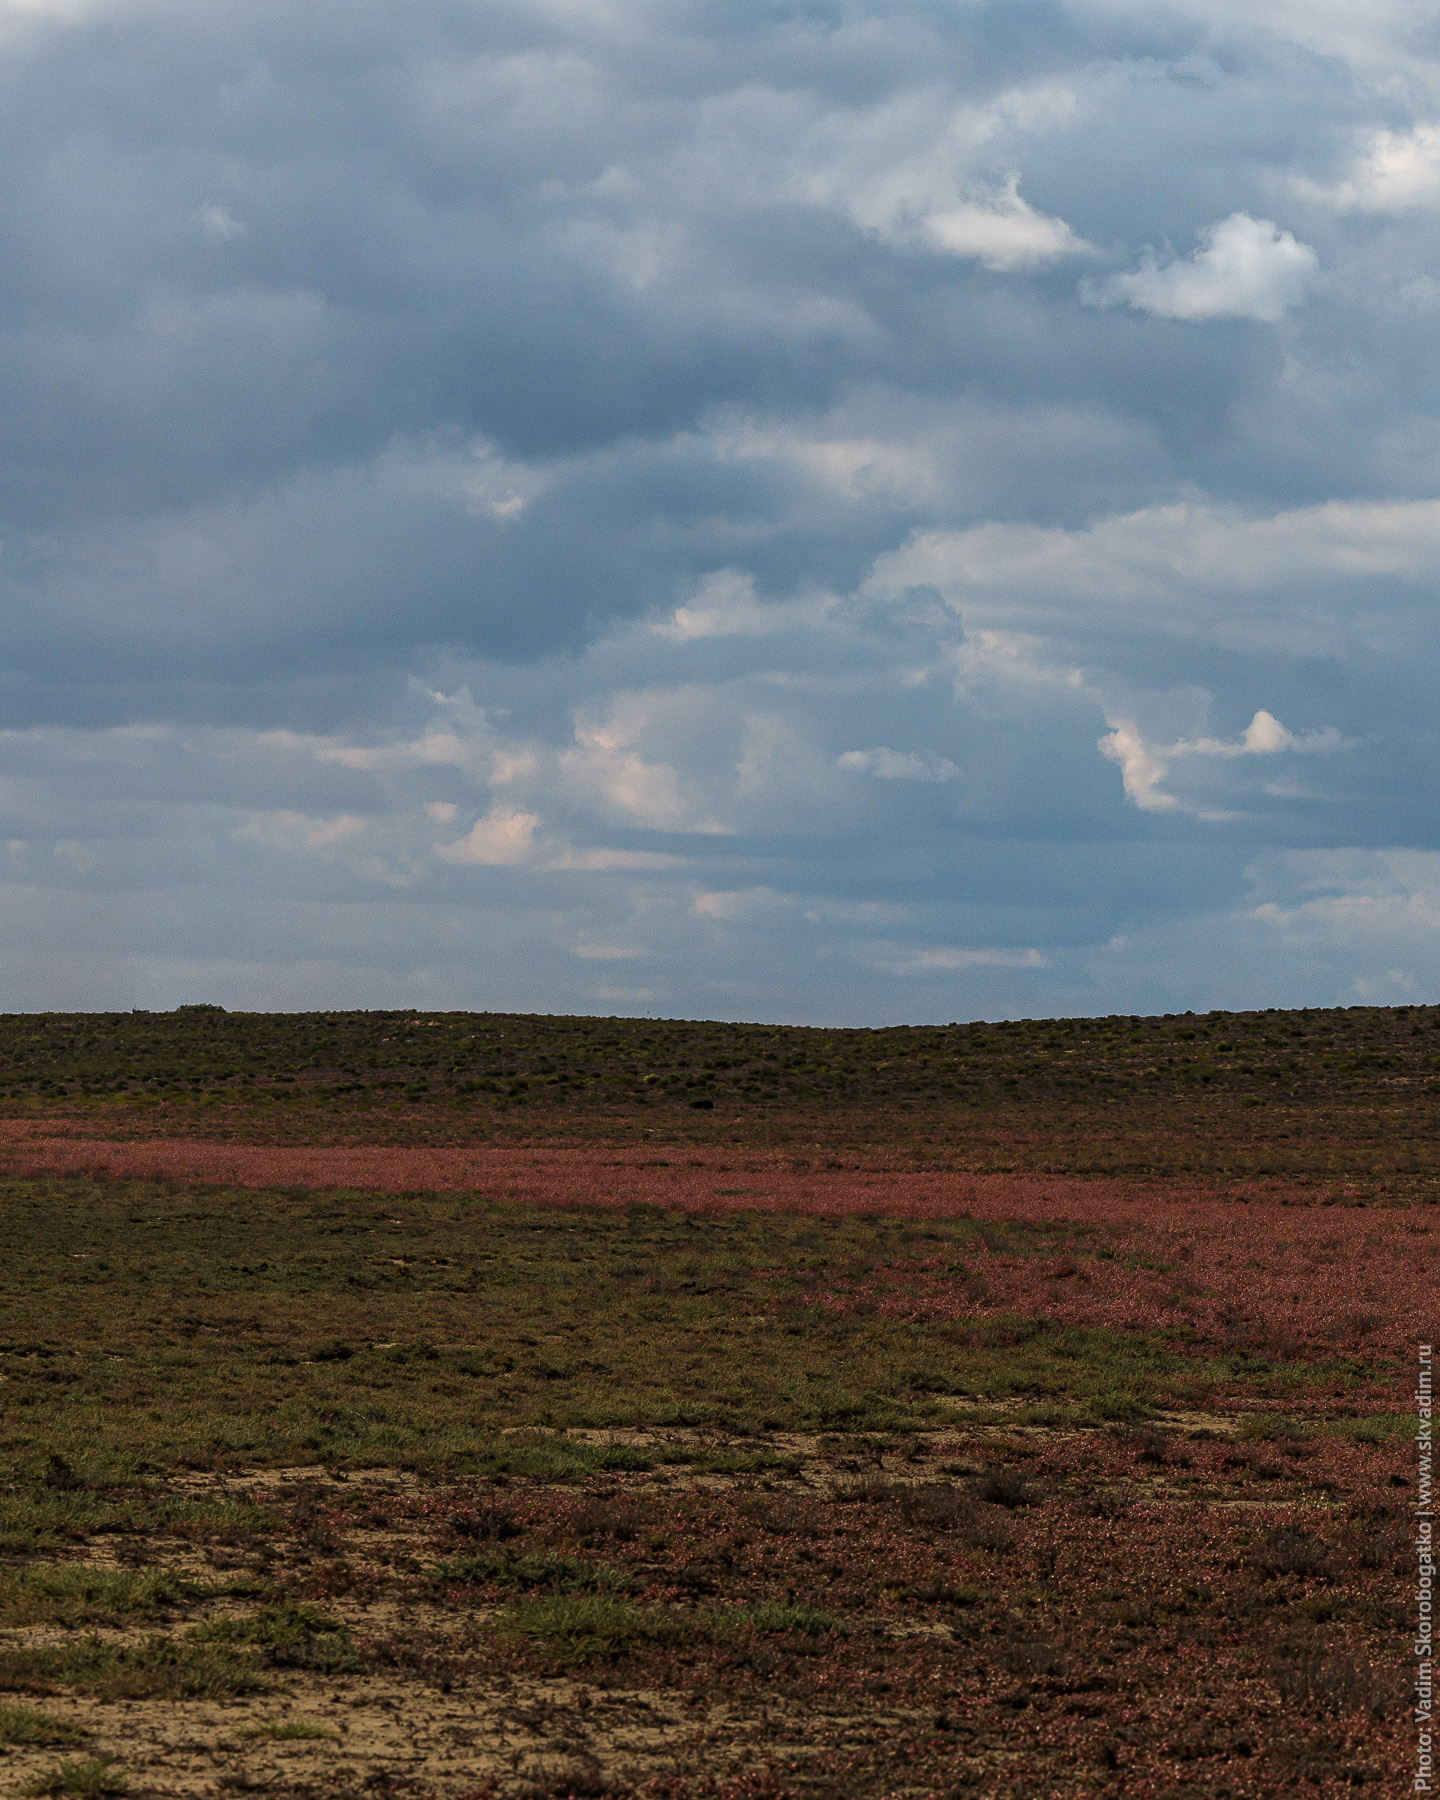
898	1420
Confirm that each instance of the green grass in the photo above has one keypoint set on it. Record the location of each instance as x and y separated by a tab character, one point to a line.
28	1725
295	1636
35	1516
784	1616
75	1594
579	1628
159	1669
84	1780
148	1328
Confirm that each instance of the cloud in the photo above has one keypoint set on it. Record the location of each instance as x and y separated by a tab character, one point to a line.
1143	766
501	839
482	489
1245	269
899	765
289	830
1397	172
912	170
216	222
1003	231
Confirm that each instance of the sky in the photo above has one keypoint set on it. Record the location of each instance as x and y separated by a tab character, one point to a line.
837	513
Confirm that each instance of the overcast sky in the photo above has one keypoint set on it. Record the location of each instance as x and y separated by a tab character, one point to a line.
849	512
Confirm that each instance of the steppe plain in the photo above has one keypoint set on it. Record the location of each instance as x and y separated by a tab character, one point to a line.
480	1405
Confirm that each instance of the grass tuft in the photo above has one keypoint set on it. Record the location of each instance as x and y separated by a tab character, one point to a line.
292	1637
586	1628
85	1780
156	1670
28	1725
75	1594
291	1730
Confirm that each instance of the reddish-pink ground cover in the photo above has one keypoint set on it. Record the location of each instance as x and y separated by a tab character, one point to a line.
1290	1282
1287	1273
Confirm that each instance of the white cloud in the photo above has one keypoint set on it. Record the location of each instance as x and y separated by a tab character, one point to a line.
1263	736
607	769
725	605
1185	571
502	838
899	765
1398	171
1003	231
739	906
1245	269
1144	766
910	171
1141	769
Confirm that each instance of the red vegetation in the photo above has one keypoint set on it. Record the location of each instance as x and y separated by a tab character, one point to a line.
1283	1274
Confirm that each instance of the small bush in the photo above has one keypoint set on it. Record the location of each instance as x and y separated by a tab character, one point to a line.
156	1670
86	1780
487	1522
621	1520
75	1594
585	1628
937	1506
1334	1685
1289	1551
28	1725
1004	1487
292	1637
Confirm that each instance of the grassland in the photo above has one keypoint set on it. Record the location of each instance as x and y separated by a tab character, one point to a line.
849	1486
1343	1096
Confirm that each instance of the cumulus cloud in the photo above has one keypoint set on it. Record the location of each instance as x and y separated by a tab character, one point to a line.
1144	766
1003	231
1396	172
911	169
501	838
1141	768
1244	269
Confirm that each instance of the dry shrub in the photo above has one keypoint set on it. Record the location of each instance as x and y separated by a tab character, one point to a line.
486	1522
937	1506
1333	1683
1027	1654
1004	1487
1384	1547
783	1517
620	1520
1287	1550
872	1490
